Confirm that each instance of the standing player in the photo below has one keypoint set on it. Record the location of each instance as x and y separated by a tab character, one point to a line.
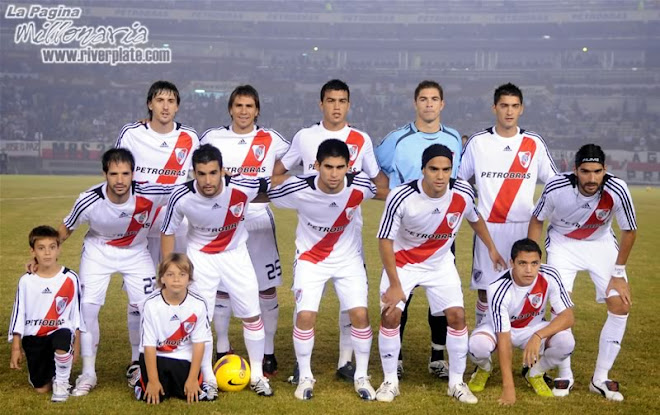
329	247
251	150
214	205
517	303
420	221
46	318
162	149
580	208
119	213
506	161
334	104
400	155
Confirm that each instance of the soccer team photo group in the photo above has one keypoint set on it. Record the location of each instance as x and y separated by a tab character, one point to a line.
187	222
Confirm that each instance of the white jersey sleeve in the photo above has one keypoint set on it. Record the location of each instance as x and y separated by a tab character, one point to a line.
174	215
293	157
465	190
250	186
546	203
149	330
546	166
17	321
79	214
285	196
369	162
558	296
390	221
466	169
624	208
499	298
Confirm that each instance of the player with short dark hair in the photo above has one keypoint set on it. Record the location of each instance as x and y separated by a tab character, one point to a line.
517	302
580	208
506	162
399	155
175	328
45	318
251	150
329	247
420	221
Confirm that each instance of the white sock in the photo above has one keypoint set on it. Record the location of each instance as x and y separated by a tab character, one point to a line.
345	342
389	345
254	336
270	312
558	348
89	340
63	365
457	348
480	311
609	345
480	347
362	345
207	365
303	344
133	319
221	317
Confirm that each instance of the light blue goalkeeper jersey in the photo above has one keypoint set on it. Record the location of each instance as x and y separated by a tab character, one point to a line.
400	153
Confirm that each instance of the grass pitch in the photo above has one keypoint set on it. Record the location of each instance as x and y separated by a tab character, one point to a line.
27	201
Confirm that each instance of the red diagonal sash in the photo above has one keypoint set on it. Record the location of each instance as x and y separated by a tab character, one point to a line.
528	311
62	299
232	221
593	223
177	159
140	216
257	153
354	141
185	329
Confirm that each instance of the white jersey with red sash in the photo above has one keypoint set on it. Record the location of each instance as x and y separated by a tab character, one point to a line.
505	171
172	329
515	307
43	305
327	231
585	217
123	225
216	224
423	228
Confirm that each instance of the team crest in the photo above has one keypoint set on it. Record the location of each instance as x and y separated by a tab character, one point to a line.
525	157
188	326
350	212
535	299
353	151
602	214
453	219
259	151
181	154
141	217
60	304
237	209
476	275
298	294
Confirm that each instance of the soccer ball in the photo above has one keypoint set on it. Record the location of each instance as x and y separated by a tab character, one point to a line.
232	373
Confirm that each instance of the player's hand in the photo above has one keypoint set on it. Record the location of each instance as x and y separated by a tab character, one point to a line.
499	264
508	396
32	266
531	352
621	286
392	296
16	358
192	389
153	392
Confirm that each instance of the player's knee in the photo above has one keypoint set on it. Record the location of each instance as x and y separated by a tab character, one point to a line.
391	320
615	305
563	341
483	297
305	320
268	291
480	346
359	317
455	317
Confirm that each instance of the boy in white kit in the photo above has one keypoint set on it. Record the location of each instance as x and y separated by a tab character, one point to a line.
420	221
251	150
580	208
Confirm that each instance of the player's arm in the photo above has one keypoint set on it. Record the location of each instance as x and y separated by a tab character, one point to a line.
481	230
562	321
394	292
16	357
535	229
279	168
191	387
619	282
154	388
64	232
166	244
505	356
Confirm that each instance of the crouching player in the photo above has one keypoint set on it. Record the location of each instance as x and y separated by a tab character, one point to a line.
46	317
418	226
517	303
175	328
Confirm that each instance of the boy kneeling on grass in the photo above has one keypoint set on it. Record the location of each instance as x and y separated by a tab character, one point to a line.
174	329
46	318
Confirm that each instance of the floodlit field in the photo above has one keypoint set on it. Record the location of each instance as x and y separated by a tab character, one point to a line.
27	201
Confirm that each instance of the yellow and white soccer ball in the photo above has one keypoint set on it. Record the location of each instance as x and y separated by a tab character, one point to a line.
232	373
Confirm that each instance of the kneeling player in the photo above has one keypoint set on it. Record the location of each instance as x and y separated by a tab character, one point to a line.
45	317
329	247
175	328
418	226
517	302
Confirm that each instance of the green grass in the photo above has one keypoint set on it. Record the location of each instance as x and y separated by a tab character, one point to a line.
27	201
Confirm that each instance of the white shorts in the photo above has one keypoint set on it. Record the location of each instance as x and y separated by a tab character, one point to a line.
350	280
519	337
503	235
443	286
262	246
570	255
100	261
233	271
